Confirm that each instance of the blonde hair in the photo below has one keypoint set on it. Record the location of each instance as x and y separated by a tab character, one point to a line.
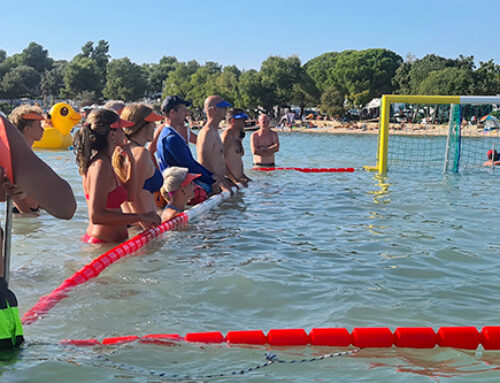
92	138
16	116
136	113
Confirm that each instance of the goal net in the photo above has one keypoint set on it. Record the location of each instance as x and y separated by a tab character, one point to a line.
450	133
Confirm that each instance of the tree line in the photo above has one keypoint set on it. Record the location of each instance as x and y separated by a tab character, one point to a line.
333	81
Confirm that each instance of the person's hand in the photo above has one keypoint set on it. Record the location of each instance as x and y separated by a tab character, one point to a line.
10	189
126	152
151	217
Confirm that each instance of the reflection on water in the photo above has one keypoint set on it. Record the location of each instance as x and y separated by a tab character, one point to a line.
293	250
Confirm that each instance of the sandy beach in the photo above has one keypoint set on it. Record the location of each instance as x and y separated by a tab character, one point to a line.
335	127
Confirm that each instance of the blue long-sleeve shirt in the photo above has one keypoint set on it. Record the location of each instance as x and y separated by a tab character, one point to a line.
172	150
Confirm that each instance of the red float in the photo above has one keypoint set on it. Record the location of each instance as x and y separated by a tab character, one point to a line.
490	337
459	337
372	337
330	337
415	337
287	337
246	337
205	337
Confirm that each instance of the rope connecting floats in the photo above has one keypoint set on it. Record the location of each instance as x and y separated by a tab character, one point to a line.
270	359
308	170
411	337
93	269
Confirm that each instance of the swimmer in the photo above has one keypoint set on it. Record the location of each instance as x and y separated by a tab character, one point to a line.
264	143
492	156
21	171
178	188
28	119
148	177
233	148
209	146
101	138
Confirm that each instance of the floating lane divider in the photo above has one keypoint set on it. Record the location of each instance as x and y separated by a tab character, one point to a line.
94	268
411	337
308	170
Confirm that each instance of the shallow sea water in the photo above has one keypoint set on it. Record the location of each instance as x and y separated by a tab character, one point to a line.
293	250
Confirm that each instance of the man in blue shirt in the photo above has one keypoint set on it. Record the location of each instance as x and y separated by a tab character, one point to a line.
172	149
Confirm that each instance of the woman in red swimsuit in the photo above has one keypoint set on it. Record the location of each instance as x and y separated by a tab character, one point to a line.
95	145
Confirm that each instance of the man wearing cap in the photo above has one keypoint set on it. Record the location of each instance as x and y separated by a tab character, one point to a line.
28	120
178	189
172	149
233	148
209	145
264	143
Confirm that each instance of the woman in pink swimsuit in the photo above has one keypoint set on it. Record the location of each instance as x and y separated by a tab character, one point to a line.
101	137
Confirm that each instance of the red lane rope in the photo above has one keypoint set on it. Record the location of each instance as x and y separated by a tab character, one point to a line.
412	337
93	269
308	170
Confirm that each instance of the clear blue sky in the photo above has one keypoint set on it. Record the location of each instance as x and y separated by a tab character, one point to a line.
245	33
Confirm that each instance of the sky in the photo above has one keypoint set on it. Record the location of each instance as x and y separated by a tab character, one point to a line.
245	33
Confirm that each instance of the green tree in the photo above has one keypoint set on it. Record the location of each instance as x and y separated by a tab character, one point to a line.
3	55
304	92
125	80
251	89
332	102
363	75
36	57
448	81
178	81
227	85
52	81
82	74
100	58
279	75
318	68
157	74
22	81
487	79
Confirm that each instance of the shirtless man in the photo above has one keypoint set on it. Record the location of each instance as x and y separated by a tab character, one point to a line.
233	148
209	146
264	143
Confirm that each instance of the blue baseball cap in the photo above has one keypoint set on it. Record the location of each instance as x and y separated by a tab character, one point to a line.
171	102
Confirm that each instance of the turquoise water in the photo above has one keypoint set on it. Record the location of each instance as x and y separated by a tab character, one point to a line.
293	250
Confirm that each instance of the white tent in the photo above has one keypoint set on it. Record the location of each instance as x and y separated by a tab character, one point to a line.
375	103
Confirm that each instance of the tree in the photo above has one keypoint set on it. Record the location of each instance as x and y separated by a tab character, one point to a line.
178	81
22	81
487	79
3	55
252	91
157	74
36	57
100	58
363	75
227	85
318	68
82	74
448	81
332	102
52	81
304	92
279	75
125	80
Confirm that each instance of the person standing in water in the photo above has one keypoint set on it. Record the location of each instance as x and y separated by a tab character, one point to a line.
148	177
96	143
264	144
233	148
209	145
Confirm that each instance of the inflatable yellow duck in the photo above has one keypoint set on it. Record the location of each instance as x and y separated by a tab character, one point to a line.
62	117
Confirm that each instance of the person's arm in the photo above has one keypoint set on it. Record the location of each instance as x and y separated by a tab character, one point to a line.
37	179
100	179
228	143
193	137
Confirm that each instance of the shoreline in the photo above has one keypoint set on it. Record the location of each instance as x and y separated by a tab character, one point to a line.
371	128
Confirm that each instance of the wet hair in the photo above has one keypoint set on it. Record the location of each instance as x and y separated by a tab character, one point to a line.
92	138
16	116
136	113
